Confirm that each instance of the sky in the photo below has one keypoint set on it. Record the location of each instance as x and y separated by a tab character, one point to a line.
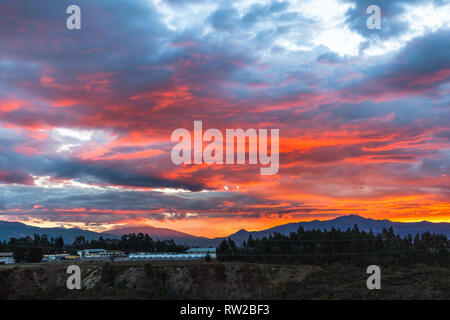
86	115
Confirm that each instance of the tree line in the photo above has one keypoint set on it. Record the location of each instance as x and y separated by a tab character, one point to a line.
27	249
329	246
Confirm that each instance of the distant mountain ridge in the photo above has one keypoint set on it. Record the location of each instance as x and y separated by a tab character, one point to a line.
162	234
345	222
17	229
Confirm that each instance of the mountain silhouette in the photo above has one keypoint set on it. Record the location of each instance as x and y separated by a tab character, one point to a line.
17	229
162	234
345	222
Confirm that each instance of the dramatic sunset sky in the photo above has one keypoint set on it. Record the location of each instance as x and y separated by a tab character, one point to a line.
86	115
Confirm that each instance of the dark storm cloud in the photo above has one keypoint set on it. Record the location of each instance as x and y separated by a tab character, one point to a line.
16	177
390	11
258	12
414	59
409	72
436	167
110	206
445	134
129	76
183	2
330	58
227	18
98	172
100	72
103	43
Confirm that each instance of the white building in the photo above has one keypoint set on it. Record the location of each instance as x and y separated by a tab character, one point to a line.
92	253
171	256
99	253
7	258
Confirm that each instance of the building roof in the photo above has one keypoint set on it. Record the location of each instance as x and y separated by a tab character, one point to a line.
56	255
93	250
199	250
6	254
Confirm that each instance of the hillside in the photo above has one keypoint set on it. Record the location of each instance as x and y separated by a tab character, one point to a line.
201	280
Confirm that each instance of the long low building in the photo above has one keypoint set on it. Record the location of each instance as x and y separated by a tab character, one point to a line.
94	253
59	257
99	253
54	257
7	258
172	256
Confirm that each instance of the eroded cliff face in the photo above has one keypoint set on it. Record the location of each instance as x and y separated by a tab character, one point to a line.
199	280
